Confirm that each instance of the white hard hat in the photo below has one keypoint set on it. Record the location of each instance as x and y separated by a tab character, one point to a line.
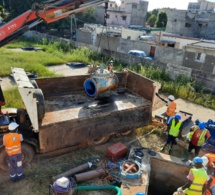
12	126
205	161
171	97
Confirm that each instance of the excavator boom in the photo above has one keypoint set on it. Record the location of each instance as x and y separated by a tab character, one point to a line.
48	12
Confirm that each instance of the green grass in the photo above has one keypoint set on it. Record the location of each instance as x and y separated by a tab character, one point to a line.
13	98
56	53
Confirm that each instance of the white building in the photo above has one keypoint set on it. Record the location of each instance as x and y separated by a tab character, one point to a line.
130	12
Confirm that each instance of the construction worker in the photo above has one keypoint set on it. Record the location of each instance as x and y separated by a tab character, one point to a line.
12	143
209	159
174	131
110	66
197	180
197	137
171	107
210	188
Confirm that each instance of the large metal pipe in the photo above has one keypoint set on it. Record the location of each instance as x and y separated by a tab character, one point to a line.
73	171
89	175
100	83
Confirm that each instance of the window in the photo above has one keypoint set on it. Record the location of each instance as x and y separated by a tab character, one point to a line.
134	6
110	5
124	17
187	25
200	25
200	57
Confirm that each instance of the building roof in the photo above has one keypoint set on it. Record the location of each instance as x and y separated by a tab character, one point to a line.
168	41
204	44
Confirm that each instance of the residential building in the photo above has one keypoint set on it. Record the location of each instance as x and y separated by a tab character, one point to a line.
206	5
201	56
198	25
130	12
194	7
176	41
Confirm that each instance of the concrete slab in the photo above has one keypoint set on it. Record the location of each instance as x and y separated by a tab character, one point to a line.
67	70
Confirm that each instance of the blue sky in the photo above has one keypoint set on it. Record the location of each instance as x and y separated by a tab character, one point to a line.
178	4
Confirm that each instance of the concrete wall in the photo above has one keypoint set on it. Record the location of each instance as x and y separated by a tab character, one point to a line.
183	41
100	11
172	60
133	34
166	176
138	15
203	72
84	37
201	25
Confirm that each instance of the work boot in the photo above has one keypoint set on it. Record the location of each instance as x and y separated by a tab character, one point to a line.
170	151
187	155
163	148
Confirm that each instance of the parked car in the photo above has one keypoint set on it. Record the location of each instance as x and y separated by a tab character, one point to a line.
139	53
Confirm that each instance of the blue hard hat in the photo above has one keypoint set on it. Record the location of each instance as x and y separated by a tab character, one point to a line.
197	160
202	125
178	116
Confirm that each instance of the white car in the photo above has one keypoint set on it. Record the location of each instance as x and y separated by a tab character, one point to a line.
139	53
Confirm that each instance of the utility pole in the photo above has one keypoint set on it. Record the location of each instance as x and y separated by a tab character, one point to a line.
73	31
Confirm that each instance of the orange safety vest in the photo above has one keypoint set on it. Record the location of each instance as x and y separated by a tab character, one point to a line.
171	109
110	68
212	184
12	142
211	158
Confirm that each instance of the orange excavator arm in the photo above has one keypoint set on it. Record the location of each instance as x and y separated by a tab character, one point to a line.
48	12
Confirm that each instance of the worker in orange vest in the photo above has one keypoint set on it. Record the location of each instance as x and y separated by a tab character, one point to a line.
110	66
197	137
209	164
171	107
209	159
210	188
12	143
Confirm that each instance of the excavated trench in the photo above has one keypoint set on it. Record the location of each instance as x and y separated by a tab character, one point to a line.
166	177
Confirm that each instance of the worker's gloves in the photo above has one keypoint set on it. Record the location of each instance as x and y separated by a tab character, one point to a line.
176	139
180	189
187	138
